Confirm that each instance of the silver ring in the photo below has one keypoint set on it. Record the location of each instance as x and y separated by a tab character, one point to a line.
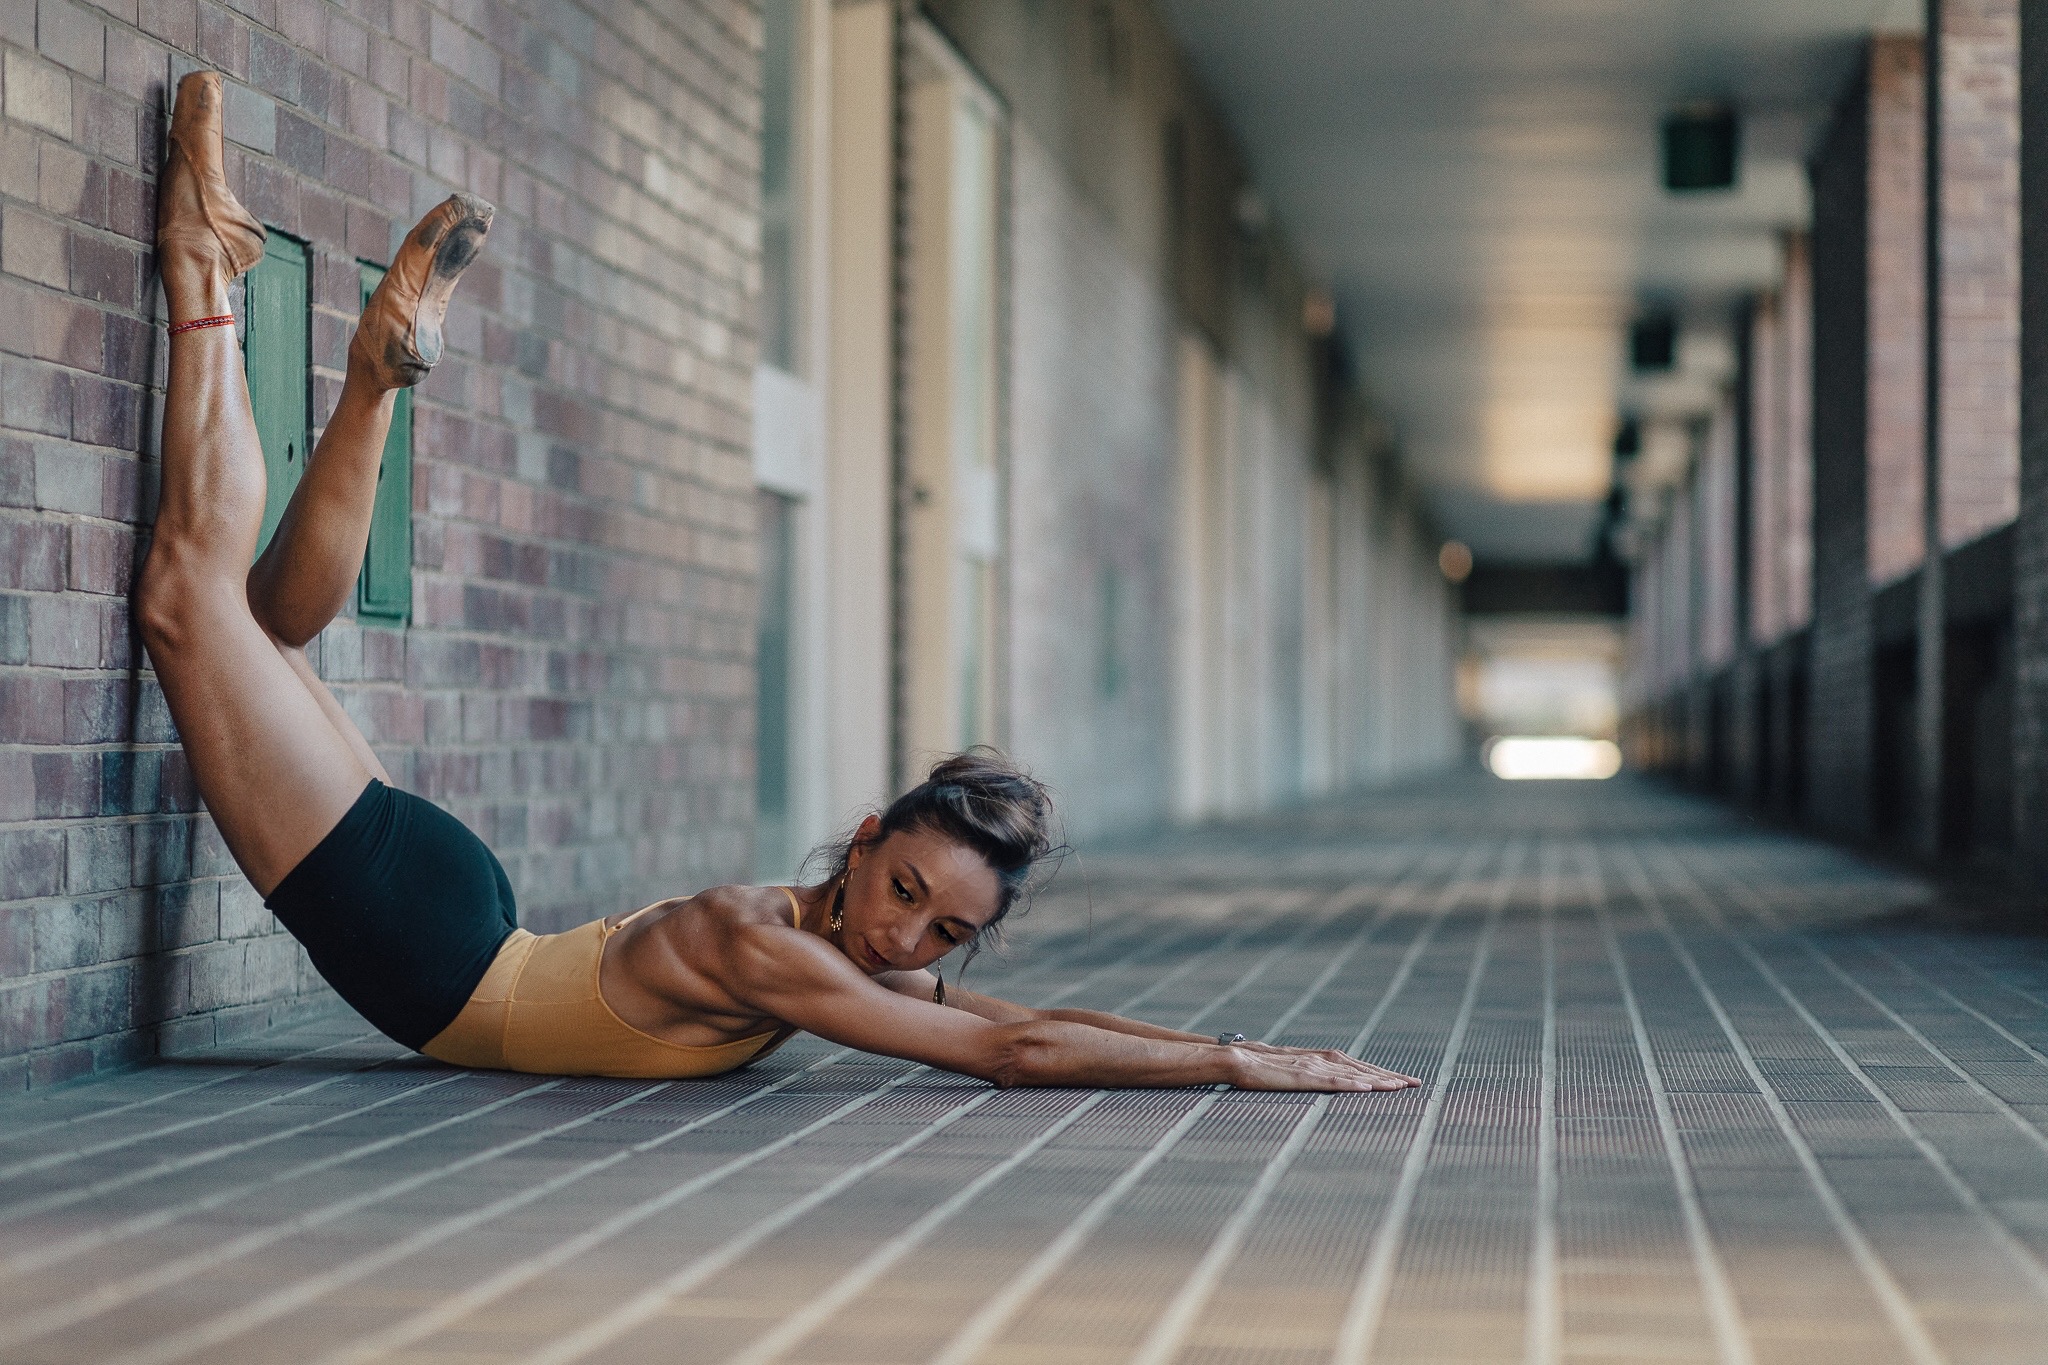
1226	1039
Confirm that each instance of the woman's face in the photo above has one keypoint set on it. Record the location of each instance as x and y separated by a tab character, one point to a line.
913	898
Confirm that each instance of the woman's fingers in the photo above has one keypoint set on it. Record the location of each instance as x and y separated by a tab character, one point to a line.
1294	1068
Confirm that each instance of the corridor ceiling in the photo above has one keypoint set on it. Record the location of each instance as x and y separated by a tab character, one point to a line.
1478	183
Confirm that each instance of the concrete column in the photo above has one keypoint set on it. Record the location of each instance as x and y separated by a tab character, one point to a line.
2030	551
1839	721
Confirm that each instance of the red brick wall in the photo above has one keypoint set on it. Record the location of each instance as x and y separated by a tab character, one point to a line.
1980	238
577	681
1898	305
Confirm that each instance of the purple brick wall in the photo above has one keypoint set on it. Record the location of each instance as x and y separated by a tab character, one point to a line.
577	682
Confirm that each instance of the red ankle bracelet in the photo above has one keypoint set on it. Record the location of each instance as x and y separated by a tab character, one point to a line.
223	320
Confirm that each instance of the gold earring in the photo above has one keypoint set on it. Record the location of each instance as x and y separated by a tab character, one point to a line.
838	920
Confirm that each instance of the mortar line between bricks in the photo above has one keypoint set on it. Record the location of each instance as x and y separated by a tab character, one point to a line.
1898	1308
1724	1314
245	1318
253	1069
2018	1253
42	1257
1367	1305
982	1328
105	1298
1170	1331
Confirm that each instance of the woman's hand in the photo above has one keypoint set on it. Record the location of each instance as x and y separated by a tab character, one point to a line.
1264	1066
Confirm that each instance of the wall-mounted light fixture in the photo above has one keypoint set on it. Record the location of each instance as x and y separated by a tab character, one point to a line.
1653	343
1700	148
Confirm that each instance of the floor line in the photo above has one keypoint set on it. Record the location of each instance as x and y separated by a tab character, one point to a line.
1898	1309
792	1330
92	1239
2001	1030
649	1302
78	1194
975	1335
226	1326
1906	1026
1171	1329
254	1068
285	1300
1724	1314
1369	1298
1544	1340
2022	1256
49	1160
105	1297
850	1286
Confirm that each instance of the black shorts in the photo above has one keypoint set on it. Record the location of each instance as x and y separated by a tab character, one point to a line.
401	908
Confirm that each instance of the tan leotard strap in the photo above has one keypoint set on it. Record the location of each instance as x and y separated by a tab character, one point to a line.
796	909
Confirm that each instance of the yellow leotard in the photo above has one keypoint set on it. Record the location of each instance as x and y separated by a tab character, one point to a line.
540	1008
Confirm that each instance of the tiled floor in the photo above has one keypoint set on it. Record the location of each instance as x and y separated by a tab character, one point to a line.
1696	1092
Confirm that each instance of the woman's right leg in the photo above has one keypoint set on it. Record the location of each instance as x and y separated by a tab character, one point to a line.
270	765
309	569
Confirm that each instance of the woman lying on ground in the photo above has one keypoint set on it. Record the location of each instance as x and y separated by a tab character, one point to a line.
404	911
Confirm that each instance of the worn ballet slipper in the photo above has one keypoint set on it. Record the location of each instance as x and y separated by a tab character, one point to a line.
398	337
196	211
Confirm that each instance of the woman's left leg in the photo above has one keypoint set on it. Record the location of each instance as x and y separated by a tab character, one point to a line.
271	767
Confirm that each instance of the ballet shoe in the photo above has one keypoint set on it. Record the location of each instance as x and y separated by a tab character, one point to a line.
196	211
398	337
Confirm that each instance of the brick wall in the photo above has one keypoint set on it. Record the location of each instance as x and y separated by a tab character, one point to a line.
1839	695
1980	230
576	683
1898	304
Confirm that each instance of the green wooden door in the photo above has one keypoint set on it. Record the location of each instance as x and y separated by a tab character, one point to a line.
277	346
384	594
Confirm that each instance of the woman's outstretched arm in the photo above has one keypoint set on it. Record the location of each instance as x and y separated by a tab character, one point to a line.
802	981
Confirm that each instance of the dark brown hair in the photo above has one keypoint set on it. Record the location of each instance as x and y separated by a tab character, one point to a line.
981	800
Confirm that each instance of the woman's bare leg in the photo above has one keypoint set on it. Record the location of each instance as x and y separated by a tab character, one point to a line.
309	569
271	767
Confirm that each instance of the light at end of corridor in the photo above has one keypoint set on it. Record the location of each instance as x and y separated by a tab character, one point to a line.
1522	758
1455	559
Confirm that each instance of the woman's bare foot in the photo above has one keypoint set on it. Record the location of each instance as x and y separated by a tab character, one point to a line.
204	236
398	338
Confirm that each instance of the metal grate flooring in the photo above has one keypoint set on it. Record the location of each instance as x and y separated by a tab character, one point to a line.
1695	1092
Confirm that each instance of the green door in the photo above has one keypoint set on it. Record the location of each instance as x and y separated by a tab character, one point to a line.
277	344
384	596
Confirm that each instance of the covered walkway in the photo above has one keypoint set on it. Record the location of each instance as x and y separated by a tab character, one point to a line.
1694	1091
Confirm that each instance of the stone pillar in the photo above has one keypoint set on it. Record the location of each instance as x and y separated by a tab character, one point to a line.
1839	721
2030	550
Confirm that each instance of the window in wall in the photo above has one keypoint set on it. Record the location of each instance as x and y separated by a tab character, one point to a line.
773	693
276	351
384	592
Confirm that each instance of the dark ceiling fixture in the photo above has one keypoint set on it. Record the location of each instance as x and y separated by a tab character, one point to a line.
1628	440
1699	148
1653	343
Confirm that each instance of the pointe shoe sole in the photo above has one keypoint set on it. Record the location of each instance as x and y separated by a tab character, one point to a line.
399	336
211	219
